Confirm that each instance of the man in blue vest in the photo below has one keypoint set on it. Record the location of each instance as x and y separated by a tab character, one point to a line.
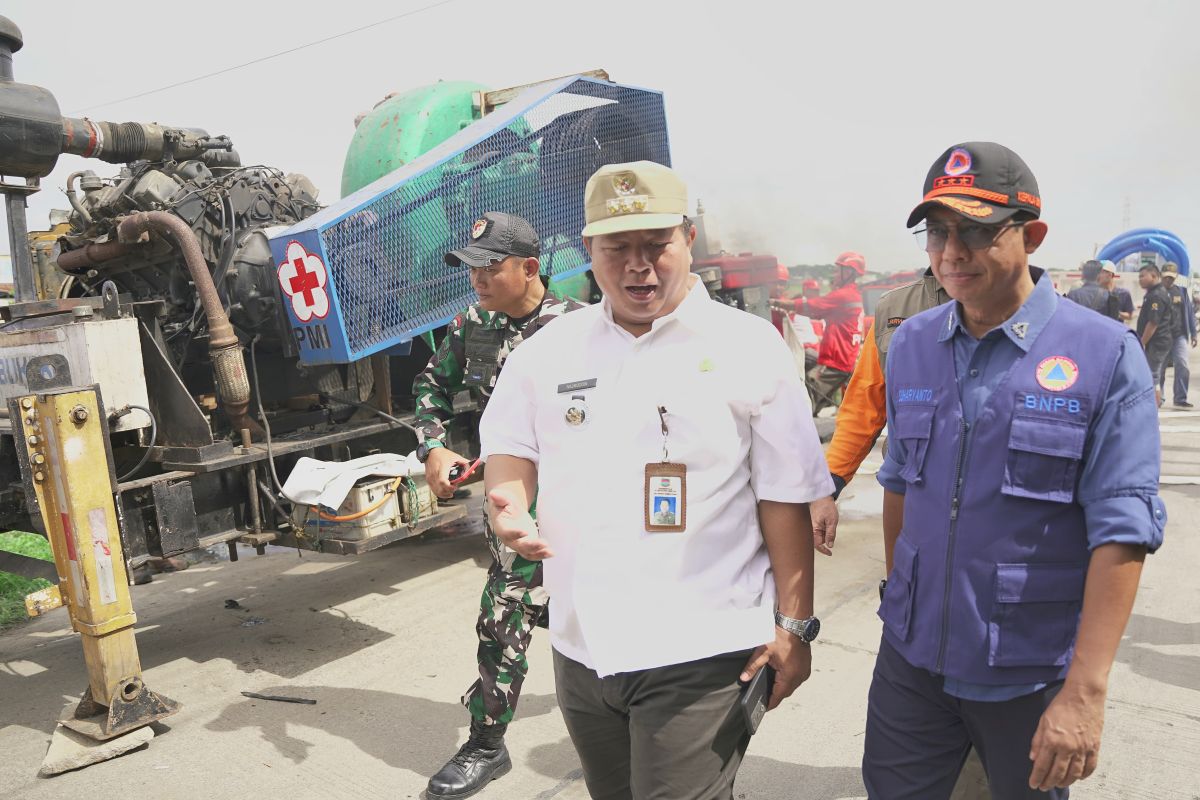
1021	498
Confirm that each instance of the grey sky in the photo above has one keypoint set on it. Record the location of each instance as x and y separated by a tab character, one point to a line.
806	128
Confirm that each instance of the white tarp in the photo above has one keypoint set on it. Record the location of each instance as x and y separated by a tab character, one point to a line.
326	483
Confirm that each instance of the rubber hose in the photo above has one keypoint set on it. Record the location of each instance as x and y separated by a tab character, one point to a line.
225	350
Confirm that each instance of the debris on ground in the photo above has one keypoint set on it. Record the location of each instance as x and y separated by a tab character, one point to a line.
72	750
279	698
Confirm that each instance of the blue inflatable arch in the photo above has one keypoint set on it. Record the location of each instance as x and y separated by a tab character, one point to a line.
1148	240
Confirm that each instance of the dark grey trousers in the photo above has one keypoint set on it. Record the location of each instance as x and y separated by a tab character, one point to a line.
669	733
918	736
823	385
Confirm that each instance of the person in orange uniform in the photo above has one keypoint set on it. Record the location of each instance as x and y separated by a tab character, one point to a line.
842	310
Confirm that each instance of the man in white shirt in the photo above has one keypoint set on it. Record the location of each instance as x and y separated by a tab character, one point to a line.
659	392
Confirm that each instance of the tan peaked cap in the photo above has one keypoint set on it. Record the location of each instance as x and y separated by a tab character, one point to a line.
641	195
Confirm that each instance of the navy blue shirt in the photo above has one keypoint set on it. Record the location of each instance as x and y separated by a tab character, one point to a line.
1183	313
1113	498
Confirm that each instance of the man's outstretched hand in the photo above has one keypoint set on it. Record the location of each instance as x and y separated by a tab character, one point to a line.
515	526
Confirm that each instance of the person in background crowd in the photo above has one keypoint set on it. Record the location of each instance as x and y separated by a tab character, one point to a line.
1154	325
1183	327
1108	279
842	310
1092	294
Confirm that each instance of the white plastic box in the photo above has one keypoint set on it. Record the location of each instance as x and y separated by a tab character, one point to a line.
396	511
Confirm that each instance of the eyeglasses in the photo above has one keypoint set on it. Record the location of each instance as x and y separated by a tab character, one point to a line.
933	238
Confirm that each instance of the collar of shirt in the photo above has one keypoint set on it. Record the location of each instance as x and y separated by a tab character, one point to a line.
498	320
935	295
690	310
1023	327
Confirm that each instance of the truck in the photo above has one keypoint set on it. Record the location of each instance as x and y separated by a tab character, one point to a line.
195	330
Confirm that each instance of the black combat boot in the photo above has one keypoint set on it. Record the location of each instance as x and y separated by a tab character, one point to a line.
477	763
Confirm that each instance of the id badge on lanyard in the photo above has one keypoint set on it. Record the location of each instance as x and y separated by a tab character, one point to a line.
665	503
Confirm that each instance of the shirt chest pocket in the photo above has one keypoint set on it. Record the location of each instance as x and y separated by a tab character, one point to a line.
913	428
1043	458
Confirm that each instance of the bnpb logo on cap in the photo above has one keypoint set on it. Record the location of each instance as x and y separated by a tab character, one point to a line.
958	162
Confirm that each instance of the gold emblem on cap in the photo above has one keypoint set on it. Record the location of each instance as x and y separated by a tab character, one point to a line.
624	184
479	228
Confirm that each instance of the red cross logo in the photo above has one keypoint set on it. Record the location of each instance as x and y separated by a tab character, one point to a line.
302	277
304	282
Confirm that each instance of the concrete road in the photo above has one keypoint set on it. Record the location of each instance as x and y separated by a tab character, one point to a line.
385	644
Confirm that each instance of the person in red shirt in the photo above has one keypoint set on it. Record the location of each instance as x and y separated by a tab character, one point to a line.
842	311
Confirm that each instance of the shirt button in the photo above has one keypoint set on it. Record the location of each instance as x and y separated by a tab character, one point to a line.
974	373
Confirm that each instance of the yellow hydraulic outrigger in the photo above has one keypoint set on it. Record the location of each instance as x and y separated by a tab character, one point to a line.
62	443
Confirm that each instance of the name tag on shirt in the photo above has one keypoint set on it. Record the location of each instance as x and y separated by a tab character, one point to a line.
577	386
665	506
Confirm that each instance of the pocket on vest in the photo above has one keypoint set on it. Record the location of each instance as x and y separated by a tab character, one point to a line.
914	424
1035	614
1043	459
896	608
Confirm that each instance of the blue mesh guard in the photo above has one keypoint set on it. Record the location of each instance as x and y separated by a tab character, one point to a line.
383	245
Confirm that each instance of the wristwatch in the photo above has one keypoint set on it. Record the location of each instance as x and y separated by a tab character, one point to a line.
806	629
424	447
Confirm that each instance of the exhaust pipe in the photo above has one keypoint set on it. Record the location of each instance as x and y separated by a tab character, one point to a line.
224	348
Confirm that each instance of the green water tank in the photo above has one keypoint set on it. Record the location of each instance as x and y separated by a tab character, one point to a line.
403	127
406	126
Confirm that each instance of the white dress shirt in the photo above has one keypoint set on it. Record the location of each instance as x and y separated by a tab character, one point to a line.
738	417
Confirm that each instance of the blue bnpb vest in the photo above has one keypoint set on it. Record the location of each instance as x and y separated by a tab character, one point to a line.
987	583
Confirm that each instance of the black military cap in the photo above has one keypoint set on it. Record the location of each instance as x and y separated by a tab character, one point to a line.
981	181
494	237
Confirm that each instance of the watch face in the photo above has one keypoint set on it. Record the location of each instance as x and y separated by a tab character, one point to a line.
811	628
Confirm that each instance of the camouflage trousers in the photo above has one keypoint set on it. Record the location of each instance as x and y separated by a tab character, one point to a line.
513	601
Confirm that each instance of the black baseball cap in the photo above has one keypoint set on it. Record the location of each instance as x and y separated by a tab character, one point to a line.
494	237
980	181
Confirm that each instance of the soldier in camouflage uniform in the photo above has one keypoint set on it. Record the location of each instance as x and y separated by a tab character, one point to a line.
513	303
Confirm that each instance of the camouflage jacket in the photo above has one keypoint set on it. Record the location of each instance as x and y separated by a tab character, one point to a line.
470	357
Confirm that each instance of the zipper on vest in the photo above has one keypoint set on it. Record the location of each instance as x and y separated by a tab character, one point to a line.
963	429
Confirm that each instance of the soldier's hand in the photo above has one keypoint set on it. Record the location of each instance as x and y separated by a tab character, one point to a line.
437	470
1066	747
824	513
515	527
789	657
